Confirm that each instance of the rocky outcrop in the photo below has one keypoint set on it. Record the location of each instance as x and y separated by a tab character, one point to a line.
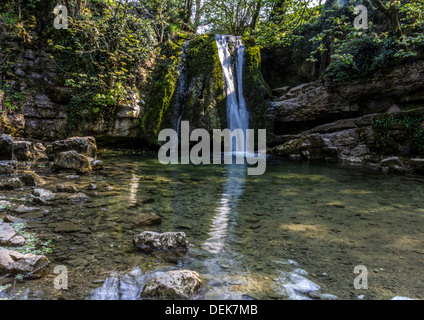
173	285
33	266
150	241
314	121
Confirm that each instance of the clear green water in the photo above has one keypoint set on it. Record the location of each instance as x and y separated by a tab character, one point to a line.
247	233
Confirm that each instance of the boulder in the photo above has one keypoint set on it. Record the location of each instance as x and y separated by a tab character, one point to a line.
9	237
23	150
96	164
392	164
149	241
173	285
82	145
11	184
147	219
32	179
17	263
72	160
6	147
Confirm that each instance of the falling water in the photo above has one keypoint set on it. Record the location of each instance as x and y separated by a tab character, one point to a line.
237	114
180	95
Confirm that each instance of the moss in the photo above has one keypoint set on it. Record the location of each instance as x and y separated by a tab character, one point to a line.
256	90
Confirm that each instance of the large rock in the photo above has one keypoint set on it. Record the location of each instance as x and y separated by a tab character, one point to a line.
72	160
149	241
6	147
82	145
9	237
33	266
23	150
173	285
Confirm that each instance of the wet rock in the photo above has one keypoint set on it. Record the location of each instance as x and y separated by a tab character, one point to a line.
66	188
417	165
17	263
92	186
82	145
401	298
173	285
30	178
6	168
9	237
24	209
6	147
12	219
296	286
393	164
96	164
147	219
43	195
23	150
11	184
71	160
169	241
78	197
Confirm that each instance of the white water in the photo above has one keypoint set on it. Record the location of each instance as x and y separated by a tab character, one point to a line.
237	114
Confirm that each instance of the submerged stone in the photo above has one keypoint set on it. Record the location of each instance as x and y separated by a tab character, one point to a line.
30	178
169	241
147	219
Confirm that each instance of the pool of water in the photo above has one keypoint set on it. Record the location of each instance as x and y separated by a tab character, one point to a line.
252	237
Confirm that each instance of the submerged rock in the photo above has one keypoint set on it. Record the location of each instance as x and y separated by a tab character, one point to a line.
12	219
78	197
173	285
147	219
14	262
169	241
30	178
9	237
66	188
71	160
96	164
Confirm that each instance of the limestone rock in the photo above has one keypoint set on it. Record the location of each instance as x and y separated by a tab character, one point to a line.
68	188
14	262
82	145
9	237
71	160
23	150
11	184
173	285
43	195
7	167
78	197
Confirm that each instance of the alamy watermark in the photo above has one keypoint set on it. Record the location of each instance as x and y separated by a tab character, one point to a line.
361	281
61	281
61	19
237	144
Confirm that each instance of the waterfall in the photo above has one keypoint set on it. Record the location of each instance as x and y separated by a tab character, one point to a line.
237	114
181	90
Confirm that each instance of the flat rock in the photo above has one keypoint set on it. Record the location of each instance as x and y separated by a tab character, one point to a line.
9	237
78	197
17	263
43	194
169	241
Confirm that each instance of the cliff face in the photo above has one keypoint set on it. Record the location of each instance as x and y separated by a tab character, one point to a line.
355	122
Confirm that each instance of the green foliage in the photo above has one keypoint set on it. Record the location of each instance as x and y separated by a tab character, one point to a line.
404	129
13	97
100	56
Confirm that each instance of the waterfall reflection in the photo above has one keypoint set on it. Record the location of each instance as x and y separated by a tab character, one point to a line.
227	210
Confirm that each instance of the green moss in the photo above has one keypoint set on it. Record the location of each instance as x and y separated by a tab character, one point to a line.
256	90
